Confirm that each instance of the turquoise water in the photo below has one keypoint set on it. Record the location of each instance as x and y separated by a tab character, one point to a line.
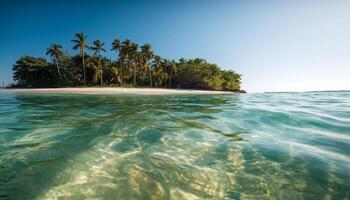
251	146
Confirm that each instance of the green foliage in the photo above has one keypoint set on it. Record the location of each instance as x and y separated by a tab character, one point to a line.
34	72
231	81
199	74
135	67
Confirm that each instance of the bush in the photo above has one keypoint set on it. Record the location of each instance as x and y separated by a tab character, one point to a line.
199	74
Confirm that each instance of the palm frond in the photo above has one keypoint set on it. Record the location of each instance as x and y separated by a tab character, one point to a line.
76	46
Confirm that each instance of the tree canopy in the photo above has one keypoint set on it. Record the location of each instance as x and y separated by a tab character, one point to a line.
135	66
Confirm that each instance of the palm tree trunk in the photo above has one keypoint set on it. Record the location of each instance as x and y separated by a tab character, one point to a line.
170	76
170	81
150	77
99	63
84	68
134	74
58	69
121	74
116	76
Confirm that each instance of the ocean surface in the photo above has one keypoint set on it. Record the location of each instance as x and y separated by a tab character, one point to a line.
237	146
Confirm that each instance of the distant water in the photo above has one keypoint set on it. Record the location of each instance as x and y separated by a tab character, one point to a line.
251	146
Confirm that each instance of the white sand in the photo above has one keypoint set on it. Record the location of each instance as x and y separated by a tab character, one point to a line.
116	90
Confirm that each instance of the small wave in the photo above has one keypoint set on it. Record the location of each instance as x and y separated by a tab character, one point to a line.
254	146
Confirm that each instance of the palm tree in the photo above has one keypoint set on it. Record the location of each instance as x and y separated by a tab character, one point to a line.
98	48
165	65
147	55
143	68
116	46
80	43
55	52
160	76
173	70
125	56
134	58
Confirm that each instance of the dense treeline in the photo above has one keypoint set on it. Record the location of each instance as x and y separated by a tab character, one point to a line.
135	66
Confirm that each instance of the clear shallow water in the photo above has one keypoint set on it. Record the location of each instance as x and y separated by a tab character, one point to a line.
254	146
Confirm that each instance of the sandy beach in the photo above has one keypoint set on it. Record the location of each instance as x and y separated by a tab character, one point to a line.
108	90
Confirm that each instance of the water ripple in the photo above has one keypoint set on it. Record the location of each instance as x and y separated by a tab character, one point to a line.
254	146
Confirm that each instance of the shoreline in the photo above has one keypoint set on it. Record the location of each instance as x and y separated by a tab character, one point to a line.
116	90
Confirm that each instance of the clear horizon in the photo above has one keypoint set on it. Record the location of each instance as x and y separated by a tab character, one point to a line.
275	45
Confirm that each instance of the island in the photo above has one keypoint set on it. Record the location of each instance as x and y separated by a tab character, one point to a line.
134	67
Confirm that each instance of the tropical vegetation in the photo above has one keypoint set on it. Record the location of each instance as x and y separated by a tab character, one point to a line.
134	67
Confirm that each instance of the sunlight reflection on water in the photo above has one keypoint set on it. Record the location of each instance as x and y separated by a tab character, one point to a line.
254	146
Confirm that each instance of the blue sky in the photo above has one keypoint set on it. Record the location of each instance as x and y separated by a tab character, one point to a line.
277	45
